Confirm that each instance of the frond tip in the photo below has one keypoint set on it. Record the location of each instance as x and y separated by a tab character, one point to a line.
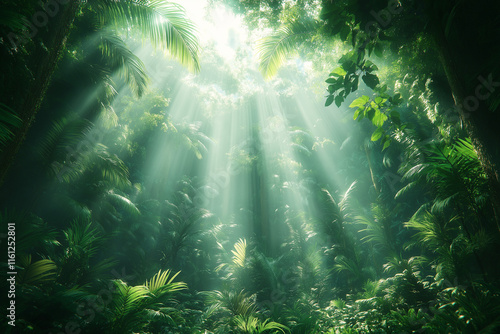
162	283
239	252
164	23
273	50
131	67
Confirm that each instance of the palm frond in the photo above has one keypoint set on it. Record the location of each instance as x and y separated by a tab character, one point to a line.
161	314
251	325
374	231
128	299
347	196
8	122
82	238
343	263
31	231
12	19
131	67
273	50
433	230
162	283
332	207
229	301
111	167
164	23
239	252
401	192
61	138
36	272
123	202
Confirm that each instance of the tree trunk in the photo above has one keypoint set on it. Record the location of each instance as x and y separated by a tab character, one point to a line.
471	120
43	61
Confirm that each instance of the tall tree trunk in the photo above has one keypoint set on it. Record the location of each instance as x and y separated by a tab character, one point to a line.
471	120
43	64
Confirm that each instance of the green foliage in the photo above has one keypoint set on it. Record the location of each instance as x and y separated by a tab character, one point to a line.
239	253
34	273
455	173
8	122
132	305
274	49
345	79
62	135
470	310
253	325
378	110
78	264
118	53
163	23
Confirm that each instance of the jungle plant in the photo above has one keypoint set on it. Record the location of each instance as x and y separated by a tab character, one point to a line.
134	307
253	325
8	121
442	237
225	306
78	263
470	310
183	222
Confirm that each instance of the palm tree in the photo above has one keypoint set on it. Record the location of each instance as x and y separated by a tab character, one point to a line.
163	23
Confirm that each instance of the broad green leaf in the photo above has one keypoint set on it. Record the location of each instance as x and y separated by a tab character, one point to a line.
359	102
369	113
331	80
371	80
386	144
370	66
339	71
379	118
377	134
395	117
356	114
396	99
349	66
344	32
353	39
349	56
338	100
370	49
329	100
355	84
